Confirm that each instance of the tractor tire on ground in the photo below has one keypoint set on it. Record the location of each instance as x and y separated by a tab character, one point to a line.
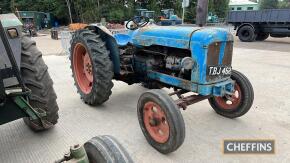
262	36
238	104
106	149
247	34
35	76
161	121
91	67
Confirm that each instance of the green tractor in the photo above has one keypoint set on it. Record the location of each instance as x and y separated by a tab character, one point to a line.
26	89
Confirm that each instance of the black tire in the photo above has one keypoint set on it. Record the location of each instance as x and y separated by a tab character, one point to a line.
35	76
247	34
246	100
102	67
262	36
173	117
106	149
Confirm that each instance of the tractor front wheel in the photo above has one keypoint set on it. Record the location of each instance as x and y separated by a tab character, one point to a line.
106	149
238	104
35	76
161	121
91	66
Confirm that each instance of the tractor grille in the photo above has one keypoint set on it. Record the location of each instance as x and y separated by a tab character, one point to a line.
227	59
213	56
213	53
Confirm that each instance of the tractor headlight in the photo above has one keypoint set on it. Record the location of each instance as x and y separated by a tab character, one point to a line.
187	63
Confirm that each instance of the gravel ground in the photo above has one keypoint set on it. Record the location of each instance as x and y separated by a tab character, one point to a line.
265	63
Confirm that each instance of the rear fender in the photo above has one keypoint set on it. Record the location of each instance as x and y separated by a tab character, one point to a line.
111	44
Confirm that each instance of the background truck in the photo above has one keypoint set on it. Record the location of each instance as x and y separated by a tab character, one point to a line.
258	25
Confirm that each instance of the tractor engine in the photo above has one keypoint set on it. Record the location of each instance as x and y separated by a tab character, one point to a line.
171	61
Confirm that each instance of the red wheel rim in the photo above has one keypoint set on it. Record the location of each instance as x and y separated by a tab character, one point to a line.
156	122
83	68
230	102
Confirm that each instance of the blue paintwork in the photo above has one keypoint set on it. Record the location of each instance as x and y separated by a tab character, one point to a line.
173	36
194	39
217	89
122	39
199	48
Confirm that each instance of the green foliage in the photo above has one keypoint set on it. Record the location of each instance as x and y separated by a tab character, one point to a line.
269	4
219	7
56	7
5	6
89	11
284	4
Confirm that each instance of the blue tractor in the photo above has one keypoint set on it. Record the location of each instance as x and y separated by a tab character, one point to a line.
194	62
169	18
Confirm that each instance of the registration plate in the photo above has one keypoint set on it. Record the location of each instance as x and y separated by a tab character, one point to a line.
219	70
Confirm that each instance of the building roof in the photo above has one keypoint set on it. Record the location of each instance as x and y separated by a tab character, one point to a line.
242	2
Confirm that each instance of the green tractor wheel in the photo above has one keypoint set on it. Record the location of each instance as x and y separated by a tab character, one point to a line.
35	76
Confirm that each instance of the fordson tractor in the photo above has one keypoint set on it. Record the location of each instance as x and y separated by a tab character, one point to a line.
195	62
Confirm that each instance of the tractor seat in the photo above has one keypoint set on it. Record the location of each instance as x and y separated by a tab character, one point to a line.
122	39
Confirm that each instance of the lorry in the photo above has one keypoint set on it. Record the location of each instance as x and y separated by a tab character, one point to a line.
195	63
259	25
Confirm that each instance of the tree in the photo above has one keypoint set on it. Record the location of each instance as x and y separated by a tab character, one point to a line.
90	11
219	7
5	6
269	4
284	4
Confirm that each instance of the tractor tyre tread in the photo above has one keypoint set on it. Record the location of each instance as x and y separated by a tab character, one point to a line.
106	149
247	98
174	118
102	67
35	76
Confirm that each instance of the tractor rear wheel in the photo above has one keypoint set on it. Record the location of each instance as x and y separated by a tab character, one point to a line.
91	67
238	104
106	149
161	121
35	76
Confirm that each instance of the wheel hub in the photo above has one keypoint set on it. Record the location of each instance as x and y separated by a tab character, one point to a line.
230	101
83	68
88	68
155	122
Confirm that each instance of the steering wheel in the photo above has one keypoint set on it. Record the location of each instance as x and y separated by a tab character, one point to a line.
137	22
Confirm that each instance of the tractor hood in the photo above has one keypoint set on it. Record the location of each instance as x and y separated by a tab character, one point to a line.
173	36
169	36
